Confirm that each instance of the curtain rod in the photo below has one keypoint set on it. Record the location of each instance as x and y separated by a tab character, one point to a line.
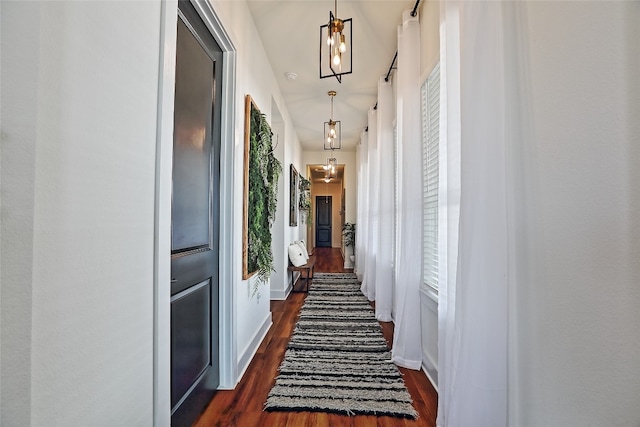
414	12
386	79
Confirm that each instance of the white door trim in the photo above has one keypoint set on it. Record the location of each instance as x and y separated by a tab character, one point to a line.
162	220
228	345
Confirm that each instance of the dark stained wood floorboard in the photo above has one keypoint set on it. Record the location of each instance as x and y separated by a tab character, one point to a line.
242	406
329	260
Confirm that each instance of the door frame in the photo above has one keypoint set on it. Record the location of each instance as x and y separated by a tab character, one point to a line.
162	214
315	237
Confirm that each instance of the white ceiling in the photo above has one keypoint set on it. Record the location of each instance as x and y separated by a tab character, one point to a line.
290	32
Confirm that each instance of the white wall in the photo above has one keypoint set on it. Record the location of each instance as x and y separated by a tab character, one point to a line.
78	152
254	77
288	152
578	318
78	191
251	311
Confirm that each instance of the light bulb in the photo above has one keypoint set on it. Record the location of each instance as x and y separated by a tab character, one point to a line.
332	133
343	45
329	139
336	59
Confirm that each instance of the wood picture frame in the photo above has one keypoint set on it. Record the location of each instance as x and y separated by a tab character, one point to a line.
248	105
260	195
294	183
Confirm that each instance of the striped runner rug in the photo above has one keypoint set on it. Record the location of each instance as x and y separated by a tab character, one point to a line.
337	359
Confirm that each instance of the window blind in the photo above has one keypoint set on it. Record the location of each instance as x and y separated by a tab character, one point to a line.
430	96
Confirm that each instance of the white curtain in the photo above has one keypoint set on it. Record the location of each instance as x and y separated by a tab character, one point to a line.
482	95
363	211
407	350
373	209
449	207
384	257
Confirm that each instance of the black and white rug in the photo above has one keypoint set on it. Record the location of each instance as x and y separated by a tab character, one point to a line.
337	360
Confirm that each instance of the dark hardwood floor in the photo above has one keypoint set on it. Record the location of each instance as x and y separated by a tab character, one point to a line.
242	406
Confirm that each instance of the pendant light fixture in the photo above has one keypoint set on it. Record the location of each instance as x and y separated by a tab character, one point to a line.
331	164
336	46
332	129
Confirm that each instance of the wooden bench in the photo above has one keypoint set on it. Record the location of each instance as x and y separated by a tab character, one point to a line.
308	267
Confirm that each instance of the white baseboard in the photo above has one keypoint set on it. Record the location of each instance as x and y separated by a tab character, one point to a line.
281	295
431	372
250	351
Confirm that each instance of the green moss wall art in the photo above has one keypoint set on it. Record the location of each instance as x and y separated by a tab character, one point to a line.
261	172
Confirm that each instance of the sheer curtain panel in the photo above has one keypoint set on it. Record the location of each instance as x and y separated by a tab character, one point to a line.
363	211
449	204
407	350
384	258
373	209
484	92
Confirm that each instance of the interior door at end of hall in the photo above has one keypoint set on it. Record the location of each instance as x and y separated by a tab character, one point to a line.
323	221
195	223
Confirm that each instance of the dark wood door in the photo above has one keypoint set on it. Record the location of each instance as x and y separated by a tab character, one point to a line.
323	221
195	370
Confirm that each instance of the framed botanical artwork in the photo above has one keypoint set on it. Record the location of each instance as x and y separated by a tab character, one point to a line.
261	171
294	180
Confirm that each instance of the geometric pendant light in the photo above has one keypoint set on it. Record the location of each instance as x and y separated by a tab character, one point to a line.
332	129
336	47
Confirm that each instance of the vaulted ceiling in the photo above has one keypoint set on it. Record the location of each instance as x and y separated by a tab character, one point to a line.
290	32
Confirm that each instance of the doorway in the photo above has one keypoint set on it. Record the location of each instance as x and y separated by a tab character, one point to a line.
323	221
195	207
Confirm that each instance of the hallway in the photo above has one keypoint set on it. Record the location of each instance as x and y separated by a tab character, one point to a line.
535	106
243	405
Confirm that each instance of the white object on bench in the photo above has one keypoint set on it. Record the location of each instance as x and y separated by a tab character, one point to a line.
296	255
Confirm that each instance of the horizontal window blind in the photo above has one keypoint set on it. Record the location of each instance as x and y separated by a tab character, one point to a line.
430	92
